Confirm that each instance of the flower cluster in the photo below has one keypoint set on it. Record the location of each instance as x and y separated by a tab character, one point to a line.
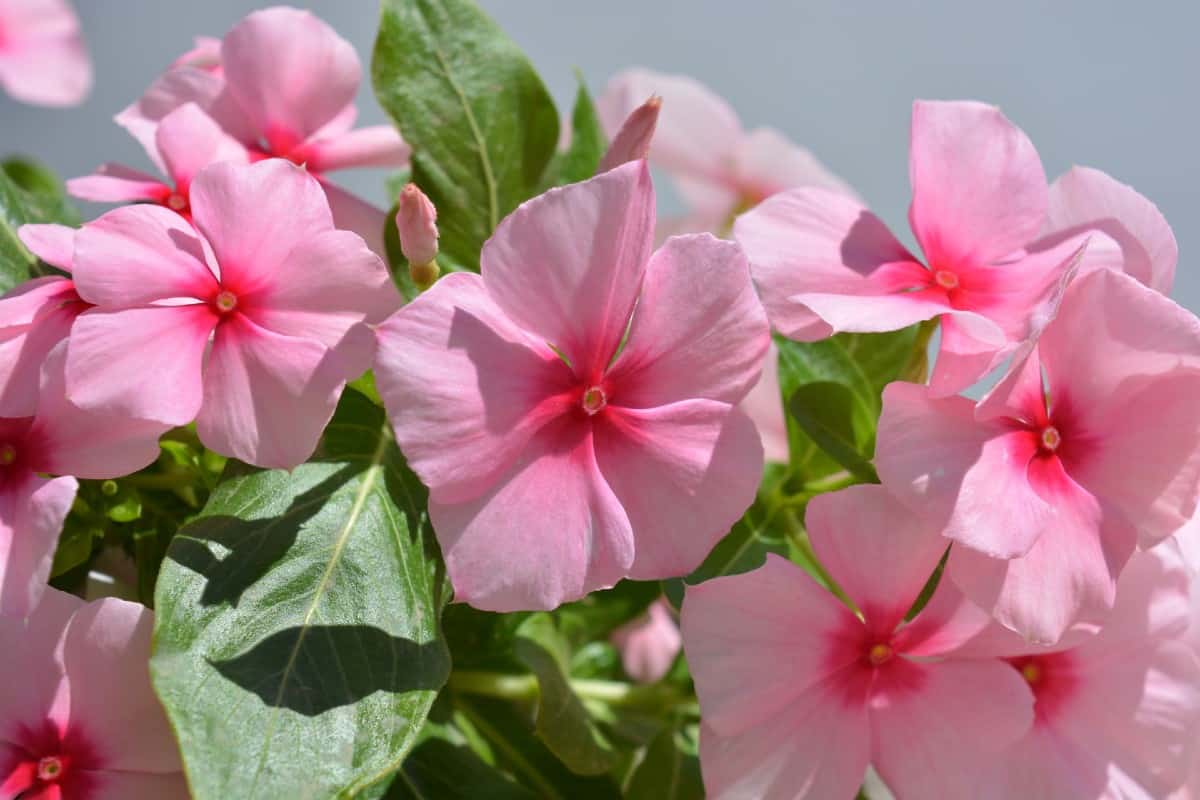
1004	614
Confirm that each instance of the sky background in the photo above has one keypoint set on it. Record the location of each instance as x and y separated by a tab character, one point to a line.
1108	84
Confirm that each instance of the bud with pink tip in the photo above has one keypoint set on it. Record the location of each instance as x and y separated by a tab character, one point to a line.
633	139
416	222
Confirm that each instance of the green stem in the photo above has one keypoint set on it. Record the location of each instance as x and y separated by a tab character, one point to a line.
525	687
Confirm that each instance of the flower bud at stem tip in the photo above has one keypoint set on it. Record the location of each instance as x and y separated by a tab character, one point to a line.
416	223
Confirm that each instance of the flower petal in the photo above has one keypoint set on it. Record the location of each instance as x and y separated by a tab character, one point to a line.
54	244
32	512
352	213
764	405
34	317
766	162
116	183
169	91
30	646
47	65
373	146
115	785
189	140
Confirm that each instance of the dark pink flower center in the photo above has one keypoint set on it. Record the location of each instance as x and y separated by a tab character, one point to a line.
1051	677
45	761
593	400
880	653
50	768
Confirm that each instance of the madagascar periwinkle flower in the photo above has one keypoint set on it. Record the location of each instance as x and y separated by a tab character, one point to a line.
562	433
649	643
43	59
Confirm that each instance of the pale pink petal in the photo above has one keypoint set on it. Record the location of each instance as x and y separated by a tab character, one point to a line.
813	246
814	748
352	213
1045	765
465	389
554	508
979	191
648	644
255	216
933	731
189	140
113	785
252	373
699	331
947	623
684	473
764	405
633	139
951	469
43	59
34	317
766	162
137	255
759	641
1139	241
373	146
165	342
169	91
568	264
116	183
106	653
54	244
32	512
205	54
30	646
290	72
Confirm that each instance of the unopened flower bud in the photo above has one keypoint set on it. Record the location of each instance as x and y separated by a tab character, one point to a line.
633	140
416	222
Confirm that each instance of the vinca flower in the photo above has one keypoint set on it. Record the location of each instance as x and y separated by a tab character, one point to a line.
649	644
43	59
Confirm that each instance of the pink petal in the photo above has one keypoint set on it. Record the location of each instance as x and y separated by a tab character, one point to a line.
879	553
30	646
54	244
374	146
167	342
1139	241
952	469
205	54
1044	765
822	262
568	265
760	641
684	473
46	62
465	389
106	653
189	140
815	748
947	624
113	785
979	191
32	512
352	213
251	374
698	331
137	255
34	317
766	162
633	139
932	741
764	405
648	644
87	443
290	72
255	216
1153	603
553	507
169	91
116	183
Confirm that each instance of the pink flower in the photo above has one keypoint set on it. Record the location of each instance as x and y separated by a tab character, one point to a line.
285	87
799	694
1117	713
186	141
719	167
1051	482
558	458
78	719
632	140
649	643
34	317
60	439
264	275
416	224
997	245
42	56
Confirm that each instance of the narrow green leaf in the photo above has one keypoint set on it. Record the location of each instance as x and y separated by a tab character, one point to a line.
588	141
297	640
482	125
828	413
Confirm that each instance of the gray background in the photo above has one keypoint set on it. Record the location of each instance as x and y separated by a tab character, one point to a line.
1106	84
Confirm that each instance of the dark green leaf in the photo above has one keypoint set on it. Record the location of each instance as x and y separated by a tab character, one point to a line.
831	417
758	532
297	640
588	141
482	125
669	770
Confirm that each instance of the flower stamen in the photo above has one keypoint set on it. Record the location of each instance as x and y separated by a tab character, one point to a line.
8	455
593	400
1051	439
49	769
225	302
945	279
880	653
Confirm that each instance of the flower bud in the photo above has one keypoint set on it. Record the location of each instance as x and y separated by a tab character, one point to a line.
416	222
633	140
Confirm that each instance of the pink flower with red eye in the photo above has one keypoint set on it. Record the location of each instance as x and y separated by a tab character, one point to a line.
1088	447
34	317
42	56
186	141
284	88
258	308
997	245
649	644
568	440
799	694
1117	713
721	172
59	439
78	718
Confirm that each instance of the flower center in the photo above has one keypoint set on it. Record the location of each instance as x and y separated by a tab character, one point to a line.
1032	673
1051	438
594	400
880	653
49	769
945	279
8	455
226	301
176	201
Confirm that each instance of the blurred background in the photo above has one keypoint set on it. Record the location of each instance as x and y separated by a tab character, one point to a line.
1108	84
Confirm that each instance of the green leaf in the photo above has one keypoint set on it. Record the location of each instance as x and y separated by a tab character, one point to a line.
588	141
830	415
297	639
760	531
562	721
670	770
45	196
482	125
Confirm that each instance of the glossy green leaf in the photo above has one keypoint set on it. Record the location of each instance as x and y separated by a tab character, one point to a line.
836	422
297	640
482	125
